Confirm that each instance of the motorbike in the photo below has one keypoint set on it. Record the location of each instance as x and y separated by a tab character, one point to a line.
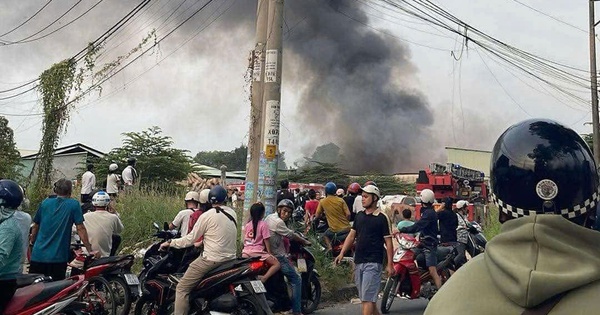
231	288
279	297
115	272
412	279
476	240
38	295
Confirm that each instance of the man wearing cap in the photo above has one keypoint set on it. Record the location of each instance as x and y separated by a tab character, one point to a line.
182	219
372	230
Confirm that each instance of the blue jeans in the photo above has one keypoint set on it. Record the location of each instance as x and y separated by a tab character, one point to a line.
294	279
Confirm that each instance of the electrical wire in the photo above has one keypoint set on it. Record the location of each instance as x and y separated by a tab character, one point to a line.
29	19
550	16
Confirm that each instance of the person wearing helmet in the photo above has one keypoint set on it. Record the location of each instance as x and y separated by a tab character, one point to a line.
182	219
51	232
279	231
544	181
285	192
462	232
371	230
88	184
218	227
340	192
11	240
129	174
428	227
112	181
102	225
203	206
353	191
337	213
357	205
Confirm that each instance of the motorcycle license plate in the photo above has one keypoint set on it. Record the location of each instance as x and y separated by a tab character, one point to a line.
258	286
131	279
301	263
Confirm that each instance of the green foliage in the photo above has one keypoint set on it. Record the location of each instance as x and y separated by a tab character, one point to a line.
9	155
491	225
589	140
321	173
235	160
327	153
388	185
157	161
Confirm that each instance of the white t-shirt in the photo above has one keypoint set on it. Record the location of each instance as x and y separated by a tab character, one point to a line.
24	221
128	175
357	205
112	184
100	226
182	220
220	235
88	182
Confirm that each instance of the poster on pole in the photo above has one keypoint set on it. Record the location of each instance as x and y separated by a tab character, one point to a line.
257	62
271	127
271	66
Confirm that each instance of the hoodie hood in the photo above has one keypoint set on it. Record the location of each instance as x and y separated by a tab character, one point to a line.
539	256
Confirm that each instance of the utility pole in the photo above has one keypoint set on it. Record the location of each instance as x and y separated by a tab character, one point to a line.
594	86
257	61
269	155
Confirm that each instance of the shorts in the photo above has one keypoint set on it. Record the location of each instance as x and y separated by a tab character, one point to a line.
368	281
430	256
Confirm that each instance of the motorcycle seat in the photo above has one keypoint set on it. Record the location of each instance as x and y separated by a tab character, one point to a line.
27	279
34	294
227	265
340	237
109	260
442	253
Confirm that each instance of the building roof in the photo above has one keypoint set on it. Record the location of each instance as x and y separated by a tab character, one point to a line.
70	149
472	150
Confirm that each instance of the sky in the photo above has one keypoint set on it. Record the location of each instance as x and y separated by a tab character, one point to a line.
194	84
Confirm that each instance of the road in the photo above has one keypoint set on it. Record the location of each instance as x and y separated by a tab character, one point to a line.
400	306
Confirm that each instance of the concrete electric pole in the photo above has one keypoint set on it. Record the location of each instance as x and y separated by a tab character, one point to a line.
594	84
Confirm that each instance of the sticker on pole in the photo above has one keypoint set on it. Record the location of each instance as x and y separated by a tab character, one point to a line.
271	66
270	151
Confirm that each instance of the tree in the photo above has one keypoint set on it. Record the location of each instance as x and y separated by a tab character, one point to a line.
328	153
321	173
157	161
235	160
9	155
589	139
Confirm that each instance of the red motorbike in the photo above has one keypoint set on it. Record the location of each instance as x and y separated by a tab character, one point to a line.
412	279
43	297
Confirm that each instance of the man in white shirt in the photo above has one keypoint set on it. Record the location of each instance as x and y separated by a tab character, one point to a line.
182	219
112	180
101	225
88	183
219	228
234	198
129	174
24	221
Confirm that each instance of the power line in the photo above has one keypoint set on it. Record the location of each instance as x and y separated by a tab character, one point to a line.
29	19
550	16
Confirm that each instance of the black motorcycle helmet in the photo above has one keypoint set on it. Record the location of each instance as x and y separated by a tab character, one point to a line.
540	166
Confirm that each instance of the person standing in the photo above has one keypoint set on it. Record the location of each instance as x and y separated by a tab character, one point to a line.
353	191
285	192
129	174
310	207
88	184
11	240
371	230
51	232
218	226
545	260
234	198
102	225
112	181
24	221
448	223
462	232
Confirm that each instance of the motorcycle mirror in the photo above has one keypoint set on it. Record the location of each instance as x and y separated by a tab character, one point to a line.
166	226
156	226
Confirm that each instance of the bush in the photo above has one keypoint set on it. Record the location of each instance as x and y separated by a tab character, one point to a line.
491	225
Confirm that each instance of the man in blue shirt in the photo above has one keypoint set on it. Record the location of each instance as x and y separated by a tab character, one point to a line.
11	239
51	232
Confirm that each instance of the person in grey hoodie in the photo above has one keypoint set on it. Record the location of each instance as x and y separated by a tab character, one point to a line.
545	260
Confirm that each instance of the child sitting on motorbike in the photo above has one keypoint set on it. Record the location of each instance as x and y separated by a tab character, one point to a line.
256	240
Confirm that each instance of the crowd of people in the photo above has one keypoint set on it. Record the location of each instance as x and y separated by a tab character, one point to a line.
543	179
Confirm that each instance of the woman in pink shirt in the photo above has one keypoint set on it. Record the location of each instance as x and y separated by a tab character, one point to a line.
256	240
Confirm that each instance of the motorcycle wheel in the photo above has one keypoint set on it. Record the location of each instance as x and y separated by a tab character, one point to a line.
310	303
100	297
389	293
248	305
146	305
122	294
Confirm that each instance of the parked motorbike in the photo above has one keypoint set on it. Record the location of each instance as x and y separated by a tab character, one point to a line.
38	295
412	279
476	241
115	272
278	293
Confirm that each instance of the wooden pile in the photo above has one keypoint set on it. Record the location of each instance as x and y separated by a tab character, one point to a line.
197	183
